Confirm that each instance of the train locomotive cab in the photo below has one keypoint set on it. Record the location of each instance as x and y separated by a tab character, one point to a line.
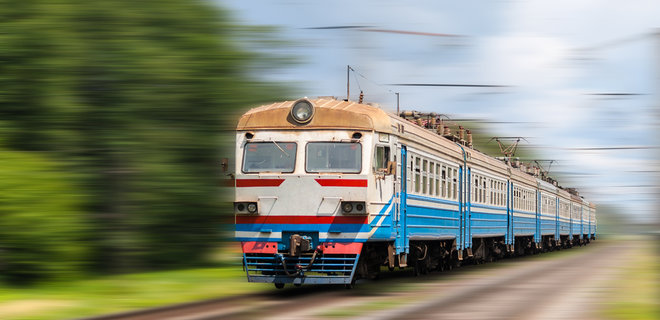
311	177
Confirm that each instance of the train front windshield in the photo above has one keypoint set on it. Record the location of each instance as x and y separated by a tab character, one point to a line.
269	157
334	157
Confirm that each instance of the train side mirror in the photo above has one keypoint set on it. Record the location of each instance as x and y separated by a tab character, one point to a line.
224	164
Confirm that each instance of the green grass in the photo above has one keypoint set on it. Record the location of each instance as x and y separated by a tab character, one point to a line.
121	293
635	293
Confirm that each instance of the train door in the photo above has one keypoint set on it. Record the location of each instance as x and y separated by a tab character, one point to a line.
570	221
467	199
557	222
537	232
509	214
401	240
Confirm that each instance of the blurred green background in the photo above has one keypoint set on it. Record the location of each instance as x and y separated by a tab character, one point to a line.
114	116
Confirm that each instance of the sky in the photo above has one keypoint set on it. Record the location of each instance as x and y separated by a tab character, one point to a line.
554	59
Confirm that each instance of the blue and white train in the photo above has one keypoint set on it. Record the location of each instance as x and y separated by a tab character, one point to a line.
328	191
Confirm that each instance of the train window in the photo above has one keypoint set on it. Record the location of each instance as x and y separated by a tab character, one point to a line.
439	183
484	195
484	191
425	180
443	182
410	177
478	182
340	157
432	178
477	187
449	183
504	193
269	157
417	174
381	157
436	179
454	184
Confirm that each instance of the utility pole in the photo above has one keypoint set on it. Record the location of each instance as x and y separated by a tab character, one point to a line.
397	103
348	82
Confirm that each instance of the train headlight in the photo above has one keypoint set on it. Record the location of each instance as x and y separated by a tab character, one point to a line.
347	207
353	207
302	111
245	207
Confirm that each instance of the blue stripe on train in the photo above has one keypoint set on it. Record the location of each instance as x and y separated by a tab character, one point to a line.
277	227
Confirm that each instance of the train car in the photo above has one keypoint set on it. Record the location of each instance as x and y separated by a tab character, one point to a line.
328	191
576	219
488	217
548	217
564	217
592	221
524	210
584	235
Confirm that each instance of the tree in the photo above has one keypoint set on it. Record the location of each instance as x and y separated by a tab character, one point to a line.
134	97
42	225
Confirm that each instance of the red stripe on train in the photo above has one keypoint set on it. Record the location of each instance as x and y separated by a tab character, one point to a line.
240	183
342	182
259	247
301	220
341	248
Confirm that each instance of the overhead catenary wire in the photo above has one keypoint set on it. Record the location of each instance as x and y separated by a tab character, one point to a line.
356	74
372	81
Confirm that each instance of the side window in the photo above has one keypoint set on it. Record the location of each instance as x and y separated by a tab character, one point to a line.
439	181
381	157
425	180
484	191
432	178
443	177
417	174
454	183
410	176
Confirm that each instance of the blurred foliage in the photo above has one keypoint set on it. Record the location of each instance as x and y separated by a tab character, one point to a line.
136	98
42	225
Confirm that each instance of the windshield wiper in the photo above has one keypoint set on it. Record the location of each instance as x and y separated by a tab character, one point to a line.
278	147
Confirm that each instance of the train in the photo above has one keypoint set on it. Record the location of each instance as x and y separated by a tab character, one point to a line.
328	191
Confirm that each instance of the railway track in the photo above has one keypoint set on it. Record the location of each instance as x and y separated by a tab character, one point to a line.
522	290
533	291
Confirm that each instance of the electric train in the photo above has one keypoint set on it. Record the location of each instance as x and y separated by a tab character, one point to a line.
328	191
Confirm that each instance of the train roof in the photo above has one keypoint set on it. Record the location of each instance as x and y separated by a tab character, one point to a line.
339	114
329	114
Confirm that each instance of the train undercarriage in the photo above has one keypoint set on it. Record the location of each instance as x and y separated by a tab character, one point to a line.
441	255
